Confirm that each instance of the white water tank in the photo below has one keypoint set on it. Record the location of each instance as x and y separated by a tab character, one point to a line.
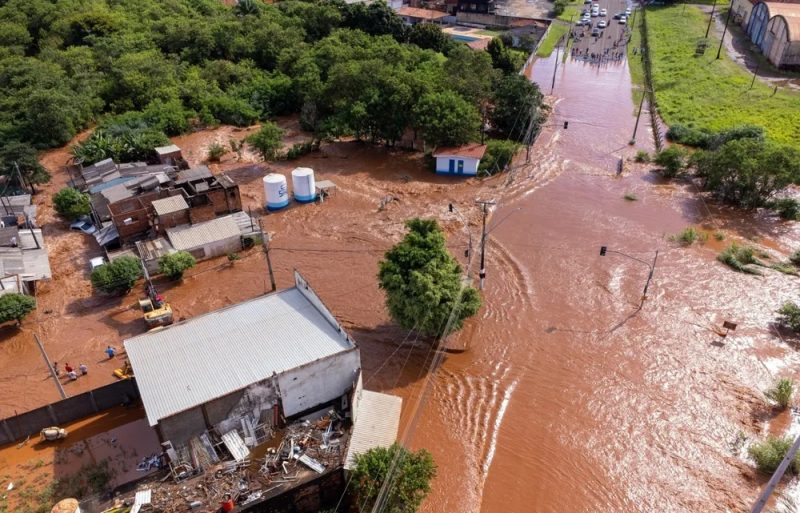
304	185
276	191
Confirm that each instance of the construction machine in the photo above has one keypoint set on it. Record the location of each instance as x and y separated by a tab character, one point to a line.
155	309
125	372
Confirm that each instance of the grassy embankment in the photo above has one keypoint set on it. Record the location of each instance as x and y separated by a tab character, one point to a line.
557	31
703	91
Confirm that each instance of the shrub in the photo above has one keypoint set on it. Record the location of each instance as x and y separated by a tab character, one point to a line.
689	236
559	6
769	454
718	235
13	306
671	161
174	264
642	156
232	257
795	258
781	392
498	156
784	268
739	258
71	203
117	277
299	149
689	136
787	208
737	132
630	196
216	151
790	315
267	141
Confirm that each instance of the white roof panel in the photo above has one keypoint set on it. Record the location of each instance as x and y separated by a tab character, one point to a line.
195	361
201	234
376	424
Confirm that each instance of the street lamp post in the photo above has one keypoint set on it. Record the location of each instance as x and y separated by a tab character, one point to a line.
468	251
638	115
652	267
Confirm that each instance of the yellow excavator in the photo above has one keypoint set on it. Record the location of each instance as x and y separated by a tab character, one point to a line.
155	309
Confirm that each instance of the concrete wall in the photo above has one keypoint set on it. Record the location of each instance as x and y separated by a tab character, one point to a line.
172	220
67	410
256	401
311	497
318	382
181	427
470	165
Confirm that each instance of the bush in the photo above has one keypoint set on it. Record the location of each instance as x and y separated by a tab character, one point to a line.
739	258
499	154
787	208
117	277
267	141
174	264
781	393
795	258
769	454
790	315
216	151
13	306
689	236
735	133
642	156
71	203
299	149
689	136
559	6
671	161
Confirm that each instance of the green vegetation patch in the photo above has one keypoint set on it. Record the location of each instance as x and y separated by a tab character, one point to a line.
548	44
707	93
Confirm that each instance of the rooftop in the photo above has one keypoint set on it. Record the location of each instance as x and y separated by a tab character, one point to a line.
425	14
166	150
377	420
209	356
170	205
201	234
195	173
790	12
472	150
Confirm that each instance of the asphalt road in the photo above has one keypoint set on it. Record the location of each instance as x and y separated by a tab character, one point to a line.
609	46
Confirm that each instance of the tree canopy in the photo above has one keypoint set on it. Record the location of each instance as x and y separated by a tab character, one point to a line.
175	264
409	481
446	119
13	306
423	282
118	276
71	203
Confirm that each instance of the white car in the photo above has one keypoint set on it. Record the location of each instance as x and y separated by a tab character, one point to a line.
601	24
96	262
628	11
603	12
595	14
623	20
83	224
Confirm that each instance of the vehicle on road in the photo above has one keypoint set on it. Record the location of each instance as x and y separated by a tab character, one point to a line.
603	12
623	20
53	433
628	11
595	14
619	15
83	224
601	24
595	32
586	2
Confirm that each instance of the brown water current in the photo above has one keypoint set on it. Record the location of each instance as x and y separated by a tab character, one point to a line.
570	399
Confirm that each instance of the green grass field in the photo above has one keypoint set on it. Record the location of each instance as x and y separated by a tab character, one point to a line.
706	92
557	30
572	11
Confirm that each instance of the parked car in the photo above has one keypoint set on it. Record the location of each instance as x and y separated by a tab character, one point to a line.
96	262
619	15
603	12
595	14
601	24
623	20
628	11
83	224
596	32
585	2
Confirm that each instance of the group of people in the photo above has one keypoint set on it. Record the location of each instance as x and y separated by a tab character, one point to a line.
72	373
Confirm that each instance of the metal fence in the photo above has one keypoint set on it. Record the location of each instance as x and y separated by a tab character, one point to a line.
68	410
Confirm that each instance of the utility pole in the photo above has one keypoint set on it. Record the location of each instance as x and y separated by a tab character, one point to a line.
265	243
755	74
553	85
711	18
50	367
649	277
725	31
638	115
485	207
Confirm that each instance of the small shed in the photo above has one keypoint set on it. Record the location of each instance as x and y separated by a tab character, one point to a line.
220	236
169	154
171	212
461	160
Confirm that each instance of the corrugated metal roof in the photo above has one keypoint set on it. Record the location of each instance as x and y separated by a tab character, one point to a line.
221	228
170	204
163	150
212	355
376	424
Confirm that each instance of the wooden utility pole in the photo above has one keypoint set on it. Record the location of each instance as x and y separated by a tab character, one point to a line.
638	115
50	367
711	18
265	243
485	207
725	31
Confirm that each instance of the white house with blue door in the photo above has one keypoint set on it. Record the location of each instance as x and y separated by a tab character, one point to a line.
461	160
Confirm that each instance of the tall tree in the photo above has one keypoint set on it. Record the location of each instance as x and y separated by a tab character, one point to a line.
430	37
423	282
405	474
446	119
267	141
516	105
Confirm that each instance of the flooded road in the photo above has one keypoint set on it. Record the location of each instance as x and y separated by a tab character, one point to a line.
570	399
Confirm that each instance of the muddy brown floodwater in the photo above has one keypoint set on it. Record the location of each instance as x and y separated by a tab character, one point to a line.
570	400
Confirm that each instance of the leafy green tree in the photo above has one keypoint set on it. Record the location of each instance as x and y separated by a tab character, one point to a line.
748	172
781	393
446	119
499	153
175	264
118	276
406	474
375	18
516	105
267	141
430	37
671	160
769	453
423	282
502	57
14	307
71	203
15	154
470	74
